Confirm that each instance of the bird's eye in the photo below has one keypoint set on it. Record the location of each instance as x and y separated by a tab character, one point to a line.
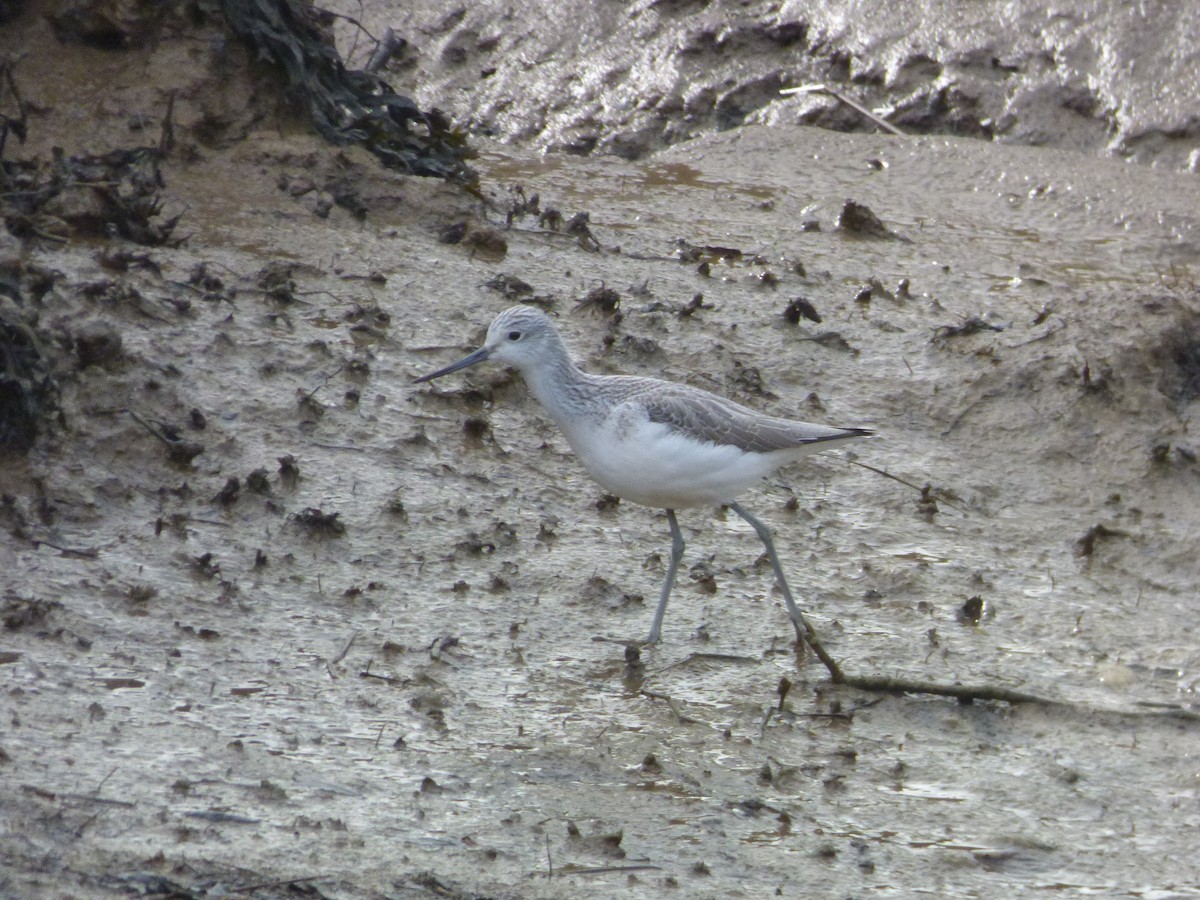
514	335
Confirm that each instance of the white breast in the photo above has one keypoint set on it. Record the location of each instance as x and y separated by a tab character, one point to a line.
650	463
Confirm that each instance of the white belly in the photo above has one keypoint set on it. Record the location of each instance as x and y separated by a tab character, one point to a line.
649	463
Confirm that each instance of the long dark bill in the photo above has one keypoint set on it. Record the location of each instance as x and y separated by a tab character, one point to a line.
477	357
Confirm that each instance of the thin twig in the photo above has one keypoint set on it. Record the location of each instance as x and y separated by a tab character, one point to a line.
889	685
920	490
853	104
150	428
337	659
326	381
683	720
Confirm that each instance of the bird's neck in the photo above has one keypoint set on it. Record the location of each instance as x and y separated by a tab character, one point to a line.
556	384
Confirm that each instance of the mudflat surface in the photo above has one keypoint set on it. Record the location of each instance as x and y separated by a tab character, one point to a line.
394	665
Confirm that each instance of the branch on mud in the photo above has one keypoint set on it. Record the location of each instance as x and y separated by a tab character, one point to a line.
964	693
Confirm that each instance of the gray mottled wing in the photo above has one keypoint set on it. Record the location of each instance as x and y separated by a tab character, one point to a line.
708	417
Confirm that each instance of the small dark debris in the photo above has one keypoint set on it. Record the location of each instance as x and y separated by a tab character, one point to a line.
704	579
122	260
550	219
310	410
260	559
275	280
642	346
229	494
453	234
323	206
856	218
606	502
601	298
486	242
96	344
140	593
693	306
973	325
289	471
181	453
1086	545
202	278
971	611
749	379
693	253
800	308
196	420
258	482
206	565
475	545
579	225
863	297
510	286
21	612
1182	373
1098	380
349	199
477	429
927	505
520	205
320	523
28	395
358	369
768	279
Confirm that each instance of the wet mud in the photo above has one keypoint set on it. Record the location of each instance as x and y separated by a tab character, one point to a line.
278	622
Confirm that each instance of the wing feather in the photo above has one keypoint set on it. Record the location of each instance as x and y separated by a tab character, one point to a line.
714	419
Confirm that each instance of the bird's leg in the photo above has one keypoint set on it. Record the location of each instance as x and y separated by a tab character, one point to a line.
676	555
804	632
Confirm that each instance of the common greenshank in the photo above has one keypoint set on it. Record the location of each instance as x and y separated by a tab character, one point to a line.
654	442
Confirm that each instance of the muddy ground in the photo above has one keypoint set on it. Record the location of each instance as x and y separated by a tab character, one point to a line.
389	661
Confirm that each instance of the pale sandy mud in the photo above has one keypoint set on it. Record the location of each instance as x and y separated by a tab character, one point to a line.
207	691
